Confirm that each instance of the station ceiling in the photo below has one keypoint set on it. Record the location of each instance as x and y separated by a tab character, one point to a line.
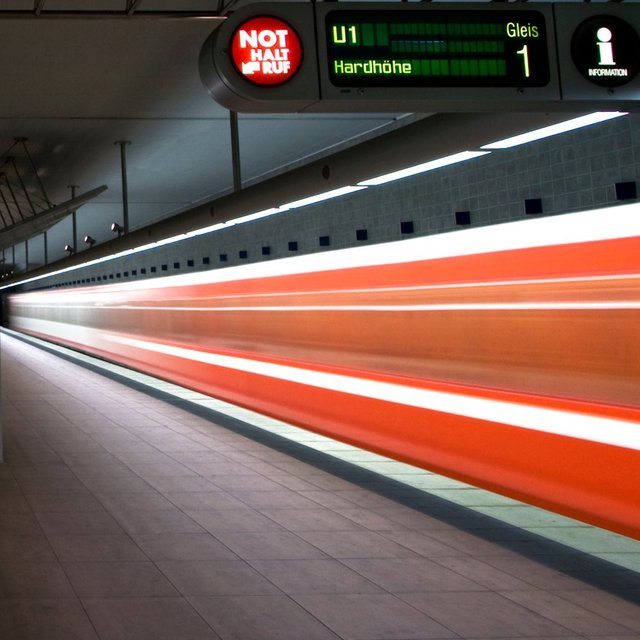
79	76
85	74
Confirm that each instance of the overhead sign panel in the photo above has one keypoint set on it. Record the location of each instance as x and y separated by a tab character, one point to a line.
437	48
284	57
606	51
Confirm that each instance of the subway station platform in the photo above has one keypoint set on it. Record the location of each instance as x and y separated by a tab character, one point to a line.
131	509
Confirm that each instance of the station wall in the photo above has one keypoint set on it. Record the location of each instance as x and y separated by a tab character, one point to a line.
584	169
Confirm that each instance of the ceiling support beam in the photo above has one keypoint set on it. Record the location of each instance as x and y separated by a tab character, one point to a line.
83	14
74	218
22	185
6	206
39	6
125	187
13	195
35	170
235	151
132	5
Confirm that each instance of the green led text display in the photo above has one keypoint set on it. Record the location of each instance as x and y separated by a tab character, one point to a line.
437	48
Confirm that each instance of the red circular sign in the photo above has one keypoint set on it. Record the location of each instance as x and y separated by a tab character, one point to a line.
266	51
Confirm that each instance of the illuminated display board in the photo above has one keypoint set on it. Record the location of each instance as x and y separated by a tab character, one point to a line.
437	48
284	57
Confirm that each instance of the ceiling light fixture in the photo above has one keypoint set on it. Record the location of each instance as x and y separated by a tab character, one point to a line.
555	129
116	228
69	249
89	240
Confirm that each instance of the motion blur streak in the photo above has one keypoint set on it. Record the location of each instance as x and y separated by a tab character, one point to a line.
507	365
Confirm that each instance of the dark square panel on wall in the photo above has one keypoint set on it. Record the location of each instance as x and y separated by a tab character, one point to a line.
533	205
463	217
407	226
362	234
626	190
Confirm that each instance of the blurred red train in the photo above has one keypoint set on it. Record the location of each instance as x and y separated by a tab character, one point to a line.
506	356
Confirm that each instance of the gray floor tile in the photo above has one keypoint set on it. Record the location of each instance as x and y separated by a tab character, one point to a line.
200	500
118	484
422	544
19	548
169	484
44	619
229	520
33	580
165	521
484	614
142	501
147	619
216	578
96	547
565	613
78	522
183	546
612	606
52	470
161	469
533	572
482	573
118	579
281	499
356	544
62	502
399	575
372	617
269	545
315	519
260	618
370	519
51	485
314	576
245	482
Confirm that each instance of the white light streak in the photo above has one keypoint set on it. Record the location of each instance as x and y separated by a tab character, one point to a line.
555	129
386	308
610	431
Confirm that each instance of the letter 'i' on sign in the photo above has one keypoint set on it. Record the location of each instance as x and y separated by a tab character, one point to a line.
266	51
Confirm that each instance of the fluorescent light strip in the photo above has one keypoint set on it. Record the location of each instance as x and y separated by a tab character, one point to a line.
320	197
422	168
555	129
608	431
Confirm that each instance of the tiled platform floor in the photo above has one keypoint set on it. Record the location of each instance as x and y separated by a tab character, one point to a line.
123	516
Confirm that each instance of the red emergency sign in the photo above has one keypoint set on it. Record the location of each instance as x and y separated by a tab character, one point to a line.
266	51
